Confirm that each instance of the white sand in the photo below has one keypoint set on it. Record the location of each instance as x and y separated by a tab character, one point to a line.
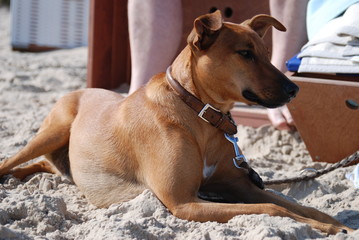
50	207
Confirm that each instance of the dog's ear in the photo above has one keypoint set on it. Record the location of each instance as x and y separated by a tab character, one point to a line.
205	31
261	23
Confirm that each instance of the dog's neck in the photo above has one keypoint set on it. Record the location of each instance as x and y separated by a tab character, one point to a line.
206	112
184	71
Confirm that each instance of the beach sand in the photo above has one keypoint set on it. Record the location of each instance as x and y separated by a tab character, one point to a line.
45	206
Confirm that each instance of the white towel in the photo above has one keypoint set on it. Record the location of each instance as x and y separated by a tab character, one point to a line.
351	51
329	65
327	50
335	48
329	33
319	12
332	51
350	25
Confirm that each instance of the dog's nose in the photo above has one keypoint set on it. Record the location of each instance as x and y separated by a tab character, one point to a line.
291	89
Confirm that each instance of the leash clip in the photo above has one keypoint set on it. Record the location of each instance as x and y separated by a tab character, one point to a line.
239	159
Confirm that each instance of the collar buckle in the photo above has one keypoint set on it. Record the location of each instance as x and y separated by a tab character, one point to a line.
204	109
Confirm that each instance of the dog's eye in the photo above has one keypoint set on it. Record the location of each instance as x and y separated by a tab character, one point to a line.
246	54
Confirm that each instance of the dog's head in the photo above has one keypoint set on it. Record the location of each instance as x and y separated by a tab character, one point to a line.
232	62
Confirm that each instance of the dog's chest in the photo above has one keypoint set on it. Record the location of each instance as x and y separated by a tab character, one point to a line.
208	169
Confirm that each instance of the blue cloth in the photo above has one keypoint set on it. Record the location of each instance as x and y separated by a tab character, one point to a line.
319	12
293	64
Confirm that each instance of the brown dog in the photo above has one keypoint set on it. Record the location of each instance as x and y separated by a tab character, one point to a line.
114	147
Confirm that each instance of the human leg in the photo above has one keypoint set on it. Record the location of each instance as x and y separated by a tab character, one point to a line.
155	30
292	13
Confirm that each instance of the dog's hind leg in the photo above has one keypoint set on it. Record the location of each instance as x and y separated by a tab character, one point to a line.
53	134
57	163
42	166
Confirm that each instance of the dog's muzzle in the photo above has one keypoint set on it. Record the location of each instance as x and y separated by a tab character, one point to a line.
291	90
287	93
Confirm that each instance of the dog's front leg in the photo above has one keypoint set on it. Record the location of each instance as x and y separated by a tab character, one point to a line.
202	211
256	195
177	187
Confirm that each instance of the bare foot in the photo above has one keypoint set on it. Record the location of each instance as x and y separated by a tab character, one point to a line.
281	118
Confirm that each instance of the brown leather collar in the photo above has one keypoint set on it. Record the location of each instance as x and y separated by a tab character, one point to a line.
206	112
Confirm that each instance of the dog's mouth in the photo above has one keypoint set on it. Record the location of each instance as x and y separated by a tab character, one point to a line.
251	96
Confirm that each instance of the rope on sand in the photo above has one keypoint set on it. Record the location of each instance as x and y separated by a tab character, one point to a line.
343	163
